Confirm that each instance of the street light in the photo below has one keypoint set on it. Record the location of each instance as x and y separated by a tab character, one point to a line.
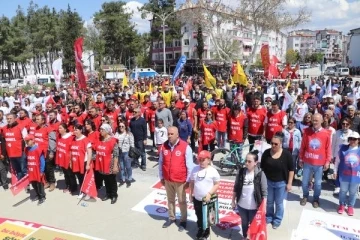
89	59
163	18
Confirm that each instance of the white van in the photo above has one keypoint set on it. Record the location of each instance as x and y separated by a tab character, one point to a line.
342	72
39	79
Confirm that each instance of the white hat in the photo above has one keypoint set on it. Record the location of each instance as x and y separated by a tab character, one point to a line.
186	100
354	135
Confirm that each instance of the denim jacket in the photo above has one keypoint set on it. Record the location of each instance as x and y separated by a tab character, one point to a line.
296	140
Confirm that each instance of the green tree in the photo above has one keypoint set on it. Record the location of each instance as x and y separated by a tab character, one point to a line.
116	29
258	61
70	27
200	43
142	58
292	56
161	7
94	41
4	46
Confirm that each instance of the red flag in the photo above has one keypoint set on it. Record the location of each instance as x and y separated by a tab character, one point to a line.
293	74
273	67
88	187
13	176
51	101
78	47
257	228
265	59
286	71
20	185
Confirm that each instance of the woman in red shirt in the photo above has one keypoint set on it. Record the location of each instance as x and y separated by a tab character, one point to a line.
208	129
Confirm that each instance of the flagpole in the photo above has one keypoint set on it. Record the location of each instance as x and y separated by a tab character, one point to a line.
83	185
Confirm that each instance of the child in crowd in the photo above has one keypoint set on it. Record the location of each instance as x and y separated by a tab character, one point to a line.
161	134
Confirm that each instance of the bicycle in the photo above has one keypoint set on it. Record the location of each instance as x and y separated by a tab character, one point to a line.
229	159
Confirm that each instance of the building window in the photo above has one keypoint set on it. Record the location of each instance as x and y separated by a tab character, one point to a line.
186	42
177	43
169	44
186	54
177	55
185	29
169	56
296	45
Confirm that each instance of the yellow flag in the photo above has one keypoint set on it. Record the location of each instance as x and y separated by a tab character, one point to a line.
240	76
210	81
150	87
288	85
125	81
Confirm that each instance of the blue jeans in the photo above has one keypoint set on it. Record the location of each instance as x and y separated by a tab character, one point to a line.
352	188
125	167
140	145
239	150
308	169
275	202
221	138
246	216
19	166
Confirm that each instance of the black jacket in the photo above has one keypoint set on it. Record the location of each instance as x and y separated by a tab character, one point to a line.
260	185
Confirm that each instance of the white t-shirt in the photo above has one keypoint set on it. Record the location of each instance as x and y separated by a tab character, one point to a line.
204	179
161	135
247	199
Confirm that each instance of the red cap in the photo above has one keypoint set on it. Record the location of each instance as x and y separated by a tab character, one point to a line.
29	137
204	154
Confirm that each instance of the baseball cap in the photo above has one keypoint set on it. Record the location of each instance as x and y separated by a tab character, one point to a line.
204	154
29	137
354	135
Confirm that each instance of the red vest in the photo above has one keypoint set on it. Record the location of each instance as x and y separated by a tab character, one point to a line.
174	162
104	155
274	124
78	150
113	116
208	131
256	120
42	138
150	118
13	139
32	127
236	132
33	164
99	105
54	126
221	116
96	120
24	122
128	116
94	138
179	104
62	151
190	113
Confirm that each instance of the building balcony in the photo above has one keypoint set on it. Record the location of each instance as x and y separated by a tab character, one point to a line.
167	49
194	34
206	47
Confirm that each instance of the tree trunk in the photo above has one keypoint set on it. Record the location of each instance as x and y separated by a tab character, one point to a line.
9	70
2	69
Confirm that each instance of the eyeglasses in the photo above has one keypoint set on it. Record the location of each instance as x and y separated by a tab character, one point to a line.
202	174
352	139
345	124
274	144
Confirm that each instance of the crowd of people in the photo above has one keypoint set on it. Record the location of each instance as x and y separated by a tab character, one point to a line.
102	126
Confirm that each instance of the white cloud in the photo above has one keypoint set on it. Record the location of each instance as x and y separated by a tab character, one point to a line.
142	25
341	15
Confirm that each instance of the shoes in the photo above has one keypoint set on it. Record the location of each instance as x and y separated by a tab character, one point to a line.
6	186
199	234
168	223
132	180
206	233
350	211
121	183
36	198
46	185
41	201
143	168
81	195
303	201
66	190
182	226
316	204
28	189
275	226
113	200
105	198
128	184
337	190
52	187
341	209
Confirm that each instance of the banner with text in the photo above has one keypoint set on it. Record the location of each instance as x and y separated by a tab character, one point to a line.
156	204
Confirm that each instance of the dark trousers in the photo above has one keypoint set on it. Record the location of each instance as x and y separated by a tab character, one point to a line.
50	170
39	189
246	216
80	177
209	147
192	141
70	179
252	140
140	145
19	166
3	172
198	212
152	136
98	179
110	185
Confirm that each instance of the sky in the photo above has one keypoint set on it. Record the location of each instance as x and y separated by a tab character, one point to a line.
341	15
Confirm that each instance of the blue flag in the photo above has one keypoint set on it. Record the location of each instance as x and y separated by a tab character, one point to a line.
180	64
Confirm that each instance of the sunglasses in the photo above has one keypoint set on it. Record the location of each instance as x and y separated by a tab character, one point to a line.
352	139
274	144
345	124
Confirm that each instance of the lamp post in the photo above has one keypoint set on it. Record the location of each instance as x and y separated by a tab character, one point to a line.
163	18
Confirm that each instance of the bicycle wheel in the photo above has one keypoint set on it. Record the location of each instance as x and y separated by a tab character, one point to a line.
223	160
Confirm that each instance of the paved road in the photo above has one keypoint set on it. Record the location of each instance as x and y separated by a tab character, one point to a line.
113	222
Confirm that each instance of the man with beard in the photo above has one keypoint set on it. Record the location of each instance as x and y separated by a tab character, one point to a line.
24	119
112	113
256	115
175	112
312	101
53	122
221	113
95	117
166	95
164	113
99	102
201	112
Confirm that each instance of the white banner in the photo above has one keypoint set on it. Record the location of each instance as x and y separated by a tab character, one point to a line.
57	71
315	225
156	204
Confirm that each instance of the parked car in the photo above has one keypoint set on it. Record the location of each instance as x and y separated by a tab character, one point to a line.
342	72
329	71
